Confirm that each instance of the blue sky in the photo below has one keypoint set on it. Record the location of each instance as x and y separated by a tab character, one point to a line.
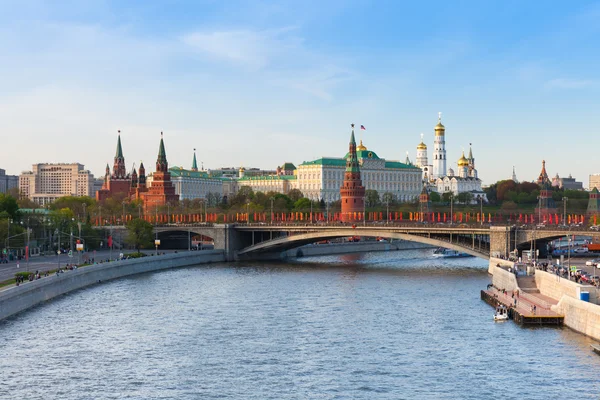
258	83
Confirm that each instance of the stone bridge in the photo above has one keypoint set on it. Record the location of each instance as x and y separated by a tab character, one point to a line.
258	241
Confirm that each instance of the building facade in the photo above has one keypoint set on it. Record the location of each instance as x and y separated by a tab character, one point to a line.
47	182
8	182
594	181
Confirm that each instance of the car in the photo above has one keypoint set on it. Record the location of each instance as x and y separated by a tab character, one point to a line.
591	263
595	227
581	250
540	226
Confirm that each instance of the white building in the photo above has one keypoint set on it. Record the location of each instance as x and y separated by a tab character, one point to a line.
47	182
323	178
466	181
594	181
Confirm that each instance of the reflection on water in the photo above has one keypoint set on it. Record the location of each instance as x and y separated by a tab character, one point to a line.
395	325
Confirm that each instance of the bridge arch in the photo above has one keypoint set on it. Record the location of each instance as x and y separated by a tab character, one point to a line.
281	244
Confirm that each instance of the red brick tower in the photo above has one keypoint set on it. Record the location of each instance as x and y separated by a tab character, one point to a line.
352	193
162	191
118	183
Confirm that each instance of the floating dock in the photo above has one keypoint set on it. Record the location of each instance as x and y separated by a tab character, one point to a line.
596	348
523	313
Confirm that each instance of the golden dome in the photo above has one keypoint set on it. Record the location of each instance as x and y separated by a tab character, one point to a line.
421	146
462	161
361	147
439	129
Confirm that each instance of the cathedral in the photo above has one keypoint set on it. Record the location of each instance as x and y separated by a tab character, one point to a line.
440	180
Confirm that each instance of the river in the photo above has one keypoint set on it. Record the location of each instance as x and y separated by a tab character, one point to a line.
395	325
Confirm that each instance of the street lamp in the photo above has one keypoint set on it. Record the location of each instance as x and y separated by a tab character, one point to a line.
481	209
451	204
84	214
248	212
272	199
539	209
57	232
565	199
311	211
123	212
387	207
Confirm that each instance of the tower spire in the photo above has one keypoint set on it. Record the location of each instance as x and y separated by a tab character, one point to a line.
161	162
194	163
119	153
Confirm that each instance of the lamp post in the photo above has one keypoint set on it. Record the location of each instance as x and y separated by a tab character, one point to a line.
100	208
565	199
84	205
248	213
311	211
123	213
481	209
387	208
168	213
539	209
327	210
139	211
57	232
451	204
272	199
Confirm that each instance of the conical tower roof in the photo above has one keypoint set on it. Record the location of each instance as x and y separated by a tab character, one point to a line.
162	154
194	163
352	160
119	153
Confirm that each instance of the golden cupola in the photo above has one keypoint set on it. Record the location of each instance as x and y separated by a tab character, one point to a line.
361	147
440	129
421	146
462	161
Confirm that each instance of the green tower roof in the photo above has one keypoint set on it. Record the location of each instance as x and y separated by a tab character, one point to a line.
352	159
194	163
119	153
162	154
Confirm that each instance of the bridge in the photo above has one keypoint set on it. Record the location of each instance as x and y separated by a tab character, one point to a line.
265	241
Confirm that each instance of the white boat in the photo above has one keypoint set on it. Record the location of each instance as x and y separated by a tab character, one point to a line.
501	314
449	253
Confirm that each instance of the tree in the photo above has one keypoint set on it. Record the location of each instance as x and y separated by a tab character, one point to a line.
9	205
139	234
302	204
435	197
295	195
372	198
389	198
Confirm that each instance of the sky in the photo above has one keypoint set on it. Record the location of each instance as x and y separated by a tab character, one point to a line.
260	83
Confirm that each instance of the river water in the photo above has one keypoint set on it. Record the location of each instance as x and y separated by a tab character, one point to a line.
396	325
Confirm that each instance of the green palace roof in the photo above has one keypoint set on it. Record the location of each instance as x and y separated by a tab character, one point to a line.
269	178
288	166
180	172
341	162
364	154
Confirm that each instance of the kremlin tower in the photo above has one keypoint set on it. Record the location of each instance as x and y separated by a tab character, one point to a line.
352	193
439	151
119	182
162	191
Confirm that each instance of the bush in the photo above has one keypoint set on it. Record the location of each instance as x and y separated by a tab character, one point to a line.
135	255
24	275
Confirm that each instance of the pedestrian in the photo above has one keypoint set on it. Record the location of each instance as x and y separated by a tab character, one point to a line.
515	303
534	308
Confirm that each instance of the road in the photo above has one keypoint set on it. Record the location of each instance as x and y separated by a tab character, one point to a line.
52	262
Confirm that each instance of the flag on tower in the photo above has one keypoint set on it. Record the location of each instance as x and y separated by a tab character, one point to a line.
362	128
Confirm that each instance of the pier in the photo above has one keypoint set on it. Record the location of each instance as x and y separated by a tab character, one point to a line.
522	314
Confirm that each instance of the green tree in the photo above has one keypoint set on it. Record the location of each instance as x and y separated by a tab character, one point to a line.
302	204
295	195
389	198
139	234
9	205
435	197
372	198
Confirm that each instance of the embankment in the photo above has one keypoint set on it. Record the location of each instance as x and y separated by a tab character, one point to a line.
18	298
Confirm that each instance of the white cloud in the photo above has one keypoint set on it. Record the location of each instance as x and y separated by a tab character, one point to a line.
255	49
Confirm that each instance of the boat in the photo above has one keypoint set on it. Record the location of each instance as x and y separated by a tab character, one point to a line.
596	348
449	253
501	313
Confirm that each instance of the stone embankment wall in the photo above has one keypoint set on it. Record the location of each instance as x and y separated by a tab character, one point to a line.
19	298
580	316
358	247
554	286
501	278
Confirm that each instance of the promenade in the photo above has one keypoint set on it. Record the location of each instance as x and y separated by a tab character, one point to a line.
523	312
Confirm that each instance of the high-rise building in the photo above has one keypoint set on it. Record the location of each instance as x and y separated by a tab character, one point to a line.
352	192
47	182
439	150
8	182
594	181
